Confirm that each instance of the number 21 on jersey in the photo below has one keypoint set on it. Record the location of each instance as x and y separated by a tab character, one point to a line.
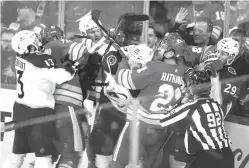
20	84
163	99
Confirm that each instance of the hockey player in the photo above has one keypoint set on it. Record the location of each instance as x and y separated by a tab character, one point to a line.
160	86
68	96
200	137
74	52
228	64
91	30
109	121
37	76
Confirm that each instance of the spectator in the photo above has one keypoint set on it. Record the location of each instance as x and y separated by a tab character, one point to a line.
159	17
8	12
8	57
240	17
202	32
212	10
153	37
199	33
27	18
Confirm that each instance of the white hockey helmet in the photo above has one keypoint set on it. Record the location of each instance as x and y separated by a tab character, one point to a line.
88	24
141	53
22	40
125	51
229	46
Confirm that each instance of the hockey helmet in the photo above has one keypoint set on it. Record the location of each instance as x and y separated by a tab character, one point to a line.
173	42
48	33
230	47
139	53
23	41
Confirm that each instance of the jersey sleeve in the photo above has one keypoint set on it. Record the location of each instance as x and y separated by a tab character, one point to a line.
216	14
56	75
77	51
134	79
71	50
51	72
208	54
177	114
164	119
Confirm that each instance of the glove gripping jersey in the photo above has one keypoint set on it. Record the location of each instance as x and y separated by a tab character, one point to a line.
36	80
70	93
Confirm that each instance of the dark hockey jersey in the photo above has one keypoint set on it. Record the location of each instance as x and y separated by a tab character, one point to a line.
160	84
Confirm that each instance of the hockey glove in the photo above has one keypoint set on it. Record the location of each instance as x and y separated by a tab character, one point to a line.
70	67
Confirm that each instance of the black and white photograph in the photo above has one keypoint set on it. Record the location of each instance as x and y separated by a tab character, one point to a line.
124	84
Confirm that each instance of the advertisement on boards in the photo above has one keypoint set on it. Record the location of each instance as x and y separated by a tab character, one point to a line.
239	135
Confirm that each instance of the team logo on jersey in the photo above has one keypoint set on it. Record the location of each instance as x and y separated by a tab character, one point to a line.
197	50
232	70
111	60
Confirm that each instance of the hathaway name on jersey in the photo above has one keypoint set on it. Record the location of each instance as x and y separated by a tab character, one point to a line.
172	78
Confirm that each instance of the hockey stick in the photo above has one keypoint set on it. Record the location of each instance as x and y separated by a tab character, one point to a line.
95	18
9	126
96	14
80	36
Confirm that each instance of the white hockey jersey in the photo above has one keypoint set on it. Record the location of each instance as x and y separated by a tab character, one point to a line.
37	77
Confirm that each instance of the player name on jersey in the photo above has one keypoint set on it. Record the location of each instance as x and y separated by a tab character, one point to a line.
210	57
172	78
20	64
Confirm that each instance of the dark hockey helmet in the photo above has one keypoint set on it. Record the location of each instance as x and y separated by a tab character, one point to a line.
172	42
48	33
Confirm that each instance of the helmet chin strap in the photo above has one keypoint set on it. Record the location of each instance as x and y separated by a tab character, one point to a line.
172	60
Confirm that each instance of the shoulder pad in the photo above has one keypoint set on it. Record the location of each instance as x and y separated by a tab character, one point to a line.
111	61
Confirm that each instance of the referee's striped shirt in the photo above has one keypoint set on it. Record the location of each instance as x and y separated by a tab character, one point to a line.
200	121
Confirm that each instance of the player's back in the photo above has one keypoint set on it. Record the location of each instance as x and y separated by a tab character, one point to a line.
163	86
36	80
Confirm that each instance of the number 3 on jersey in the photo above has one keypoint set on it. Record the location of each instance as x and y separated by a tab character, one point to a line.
165	96
20	84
